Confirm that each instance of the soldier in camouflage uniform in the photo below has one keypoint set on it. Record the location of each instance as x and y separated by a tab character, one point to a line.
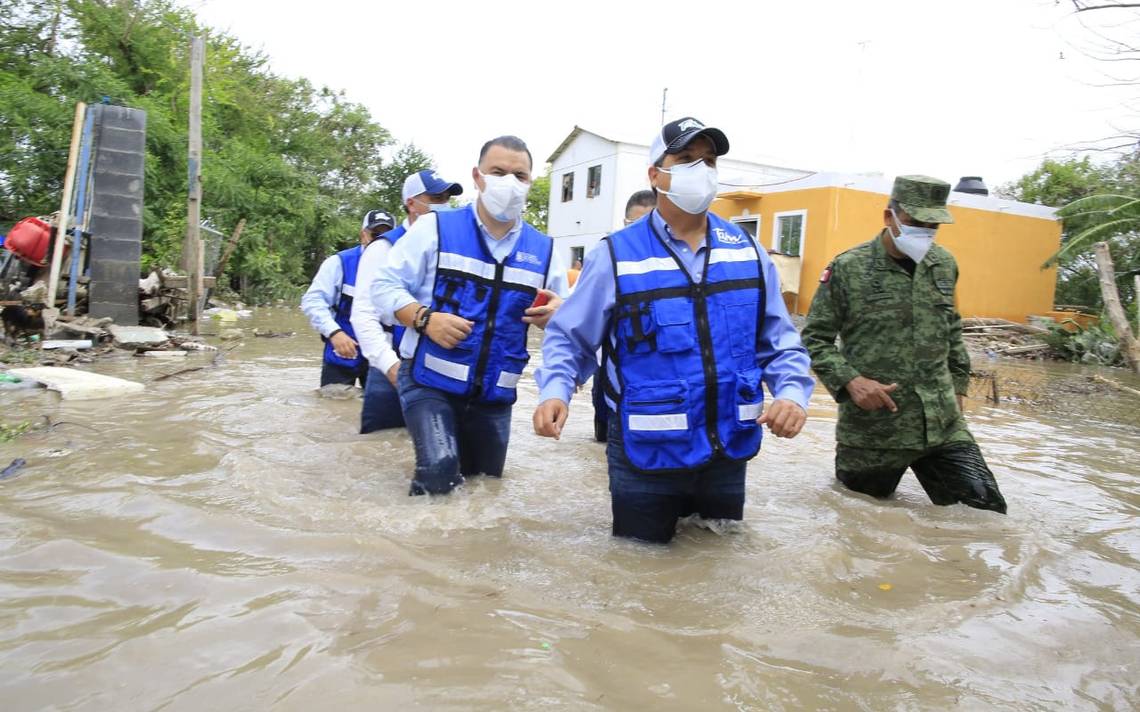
901	370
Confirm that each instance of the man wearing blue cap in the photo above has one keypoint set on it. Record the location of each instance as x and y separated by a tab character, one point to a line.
464	282
328	303
688	310
423	192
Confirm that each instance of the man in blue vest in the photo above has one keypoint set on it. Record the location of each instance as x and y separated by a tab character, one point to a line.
463	282
328	304
423	192
688	310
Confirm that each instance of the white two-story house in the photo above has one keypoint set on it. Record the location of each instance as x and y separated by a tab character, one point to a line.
592	177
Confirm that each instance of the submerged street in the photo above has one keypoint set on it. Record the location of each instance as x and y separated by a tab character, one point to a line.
226	540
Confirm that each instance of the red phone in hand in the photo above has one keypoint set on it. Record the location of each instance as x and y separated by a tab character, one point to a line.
540	300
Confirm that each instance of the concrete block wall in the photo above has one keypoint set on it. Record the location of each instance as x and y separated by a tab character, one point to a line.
119	154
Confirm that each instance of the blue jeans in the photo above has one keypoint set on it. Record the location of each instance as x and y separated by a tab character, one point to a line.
647	506
381	404
454	436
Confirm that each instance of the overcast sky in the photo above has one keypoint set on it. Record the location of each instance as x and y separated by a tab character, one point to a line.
948	88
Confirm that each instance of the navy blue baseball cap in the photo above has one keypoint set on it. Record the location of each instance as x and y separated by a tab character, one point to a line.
428	181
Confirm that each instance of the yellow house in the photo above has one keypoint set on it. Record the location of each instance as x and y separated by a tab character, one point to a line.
1000	244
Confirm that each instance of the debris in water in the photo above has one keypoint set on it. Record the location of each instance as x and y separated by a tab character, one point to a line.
885	587
12	469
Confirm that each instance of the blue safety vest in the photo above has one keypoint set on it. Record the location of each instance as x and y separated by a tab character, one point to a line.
493	295
349	261
397	332
685	352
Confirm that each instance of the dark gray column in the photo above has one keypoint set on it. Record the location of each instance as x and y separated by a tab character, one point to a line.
116	213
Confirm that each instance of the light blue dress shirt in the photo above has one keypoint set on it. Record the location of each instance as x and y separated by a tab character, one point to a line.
569	351
408	277
322	297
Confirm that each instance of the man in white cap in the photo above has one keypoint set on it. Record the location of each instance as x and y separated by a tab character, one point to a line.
328	303
423	192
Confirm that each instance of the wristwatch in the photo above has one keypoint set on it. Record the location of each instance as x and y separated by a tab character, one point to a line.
421	321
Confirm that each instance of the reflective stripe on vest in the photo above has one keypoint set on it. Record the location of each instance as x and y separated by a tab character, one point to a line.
685	348
493	296
349	262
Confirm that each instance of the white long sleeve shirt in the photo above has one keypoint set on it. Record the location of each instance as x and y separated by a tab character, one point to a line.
319	302
375	342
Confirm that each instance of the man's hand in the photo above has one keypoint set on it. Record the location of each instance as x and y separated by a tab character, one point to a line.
539	316
392	373
447	330
343	345
549	417
784	418
869	394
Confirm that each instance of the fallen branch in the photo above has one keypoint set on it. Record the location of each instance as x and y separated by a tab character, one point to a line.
1024	349
1118	386
217	359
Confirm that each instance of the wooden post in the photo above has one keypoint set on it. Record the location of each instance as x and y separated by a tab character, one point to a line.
1129	344
230	246
64	211
193	250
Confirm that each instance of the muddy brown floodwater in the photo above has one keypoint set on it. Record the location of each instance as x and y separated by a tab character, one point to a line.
226	541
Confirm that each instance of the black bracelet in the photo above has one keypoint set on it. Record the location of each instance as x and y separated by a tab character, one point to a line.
422	318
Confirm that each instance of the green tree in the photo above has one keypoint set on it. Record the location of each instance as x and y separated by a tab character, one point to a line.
1061	182
386	195
537	209
299	162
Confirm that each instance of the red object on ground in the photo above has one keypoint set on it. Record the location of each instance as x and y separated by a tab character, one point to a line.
29	240
540	300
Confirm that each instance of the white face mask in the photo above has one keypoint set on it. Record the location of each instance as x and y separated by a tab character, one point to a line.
912	241
435	207
504	197
693	186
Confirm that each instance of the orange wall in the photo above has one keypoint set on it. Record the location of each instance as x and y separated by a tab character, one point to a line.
999	254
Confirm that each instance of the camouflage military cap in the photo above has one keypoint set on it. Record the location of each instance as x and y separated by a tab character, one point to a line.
923	198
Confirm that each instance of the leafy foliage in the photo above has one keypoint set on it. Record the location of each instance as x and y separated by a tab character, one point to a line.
1083	187
1093	345
300	163
537	209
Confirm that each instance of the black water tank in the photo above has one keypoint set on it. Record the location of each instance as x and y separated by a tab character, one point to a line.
973	185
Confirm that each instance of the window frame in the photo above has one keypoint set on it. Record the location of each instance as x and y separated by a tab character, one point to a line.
803	215
736	219
592	192
570	186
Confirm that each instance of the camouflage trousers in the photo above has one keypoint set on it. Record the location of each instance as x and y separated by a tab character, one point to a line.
951	473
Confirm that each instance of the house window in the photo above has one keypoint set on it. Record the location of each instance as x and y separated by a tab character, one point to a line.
567	187
577	254
594	182
749	225
788	231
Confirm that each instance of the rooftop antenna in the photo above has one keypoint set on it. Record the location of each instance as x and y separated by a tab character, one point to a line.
663	93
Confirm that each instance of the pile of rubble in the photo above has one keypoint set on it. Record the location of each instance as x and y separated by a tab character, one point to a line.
998	337
82	339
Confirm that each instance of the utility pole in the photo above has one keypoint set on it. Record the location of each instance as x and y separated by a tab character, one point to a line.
663	93
192	251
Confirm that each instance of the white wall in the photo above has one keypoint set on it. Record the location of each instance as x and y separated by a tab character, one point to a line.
582	221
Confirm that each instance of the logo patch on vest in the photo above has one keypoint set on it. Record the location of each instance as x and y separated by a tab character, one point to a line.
726	237
528	258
